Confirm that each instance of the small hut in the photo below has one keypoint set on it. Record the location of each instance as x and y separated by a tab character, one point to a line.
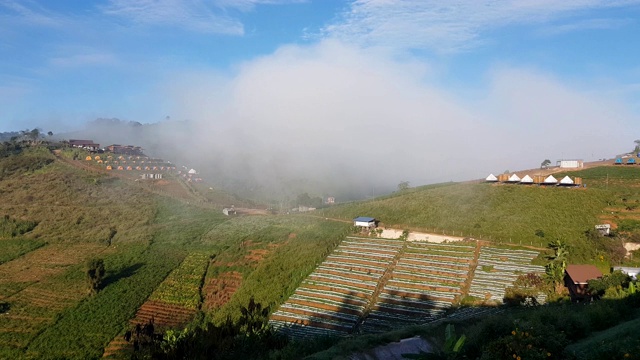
550	180
566	181
576	278
618	161
365	222
631	161
514	178
491	178
527	180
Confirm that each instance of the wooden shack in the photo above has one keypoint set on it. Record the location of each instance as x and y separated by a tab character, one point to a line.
576	280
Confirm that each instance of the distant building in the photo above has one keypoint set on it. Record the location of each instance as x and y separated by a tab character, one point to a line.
571	164
576	278
366	222
84	144
331	200
604	229
125	149
151	176
631	271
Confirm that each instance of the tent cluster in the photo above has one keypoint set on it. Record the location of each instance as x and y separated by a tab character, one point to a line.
537	180
630	161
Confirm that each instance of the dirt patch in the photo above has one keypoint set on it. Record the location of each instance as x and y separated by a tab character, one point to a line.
218	291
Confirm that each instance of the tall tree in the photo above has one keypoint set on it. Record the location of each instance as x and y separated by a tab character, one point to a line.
95	274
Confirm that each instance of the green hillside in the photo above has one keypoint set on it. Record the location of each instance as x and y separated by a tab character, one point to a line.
168	246
517	214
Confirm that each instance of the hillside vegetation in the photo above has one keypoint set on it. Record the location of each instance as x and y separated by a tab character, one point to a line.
517	214
168	246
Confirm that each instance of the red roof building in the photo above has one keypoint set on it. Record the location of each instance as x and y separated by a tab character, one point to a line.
576	278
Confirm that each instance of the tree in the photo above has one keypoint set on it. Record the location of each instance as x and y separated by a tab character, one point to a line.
404	185
254	319
545	164
637	148
95	274
50	133
557	264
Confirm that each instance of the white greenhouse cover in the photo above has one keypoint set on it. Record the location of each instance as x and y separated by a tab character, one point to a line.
550	180
491	177
514	178
566	181
527	180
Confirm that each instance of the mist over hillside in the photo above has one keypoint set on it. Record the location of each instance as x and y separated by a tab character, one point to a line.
331	119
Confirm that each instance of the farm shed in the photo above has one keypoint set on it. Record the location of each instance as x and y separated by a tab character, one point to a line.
566	181
576	277
514	178
526	180
491	178
364	221
631	271
572	164
604	229
550	180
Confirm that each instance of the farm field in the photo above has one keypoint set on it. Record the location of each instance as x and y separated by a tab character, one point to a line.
373	285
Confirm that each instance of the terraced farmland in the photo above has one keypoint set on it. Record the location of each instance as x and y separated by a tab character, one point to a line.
375	285
498	269
334	297
427	280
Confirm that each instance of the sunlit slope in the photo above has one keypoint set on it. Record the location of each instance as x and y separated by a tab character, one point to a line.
502	212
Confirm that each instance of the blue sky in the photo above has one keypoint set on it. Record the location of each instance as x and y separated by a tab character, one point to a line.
499	71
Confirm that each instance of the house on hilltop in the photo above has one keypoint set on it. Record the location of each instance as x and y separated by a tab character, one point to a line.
84	144
576	278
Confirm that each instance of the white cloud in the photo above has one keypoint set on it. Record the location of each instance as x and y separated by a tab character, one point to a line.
344	116
190	14
194	15
30	13
447	26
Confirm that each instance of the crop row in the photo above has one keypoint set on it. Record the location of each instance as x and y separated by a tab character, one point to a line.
332	298
182	286
504	267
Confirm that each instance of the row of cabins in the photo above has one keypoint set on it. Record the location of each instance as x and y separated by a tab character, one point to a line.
536	179
114	148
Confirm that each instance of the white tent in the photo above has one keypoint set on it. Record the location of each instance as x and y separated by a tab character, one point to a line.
550	180
566	181
514	178
491	178
526	180
192	171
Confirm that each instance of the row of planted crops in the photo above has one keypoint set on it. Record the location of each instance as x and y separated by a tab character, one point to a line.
375	285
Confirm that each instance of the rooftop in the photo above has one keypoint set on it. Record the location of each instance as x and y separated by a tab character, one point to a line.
580	274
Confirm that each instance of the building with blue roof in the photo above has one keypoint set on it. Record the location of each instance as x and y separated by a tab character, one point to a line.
364	221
